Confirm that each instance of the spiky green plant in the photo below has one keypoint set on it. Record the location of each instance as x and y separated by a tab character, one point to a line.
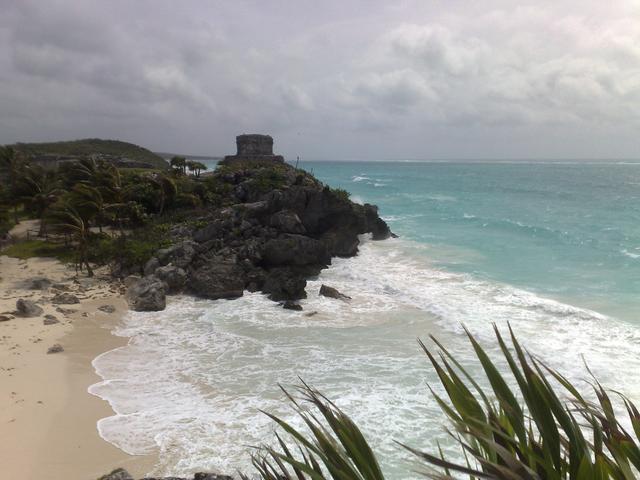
535	425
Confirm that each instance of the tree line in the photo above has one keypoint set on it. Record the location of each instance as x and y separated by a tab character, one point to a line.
83	201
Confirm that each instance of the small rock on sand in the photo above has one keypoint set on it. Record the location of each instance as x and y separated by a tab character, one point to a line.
66	311
118	474
55	348
107	308
27	308
5	318
65	298
50	320
39	283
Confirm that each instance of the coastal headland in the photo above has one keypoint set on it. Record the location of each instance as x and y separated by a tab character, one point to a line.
256	223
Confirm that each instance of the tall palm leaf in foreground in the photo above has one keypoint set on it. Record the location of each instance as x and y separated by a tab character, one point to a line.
542	428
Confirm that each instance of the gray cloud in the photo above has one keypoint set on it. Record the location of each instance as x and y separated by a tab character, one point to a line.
372	79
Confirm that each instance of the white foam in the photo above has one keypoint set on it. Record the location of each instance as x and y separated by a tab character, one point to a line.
193	377
630	254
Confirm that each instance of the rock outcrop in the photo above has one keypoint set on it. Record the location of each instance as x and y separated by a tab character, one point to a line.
276	226
147	294
327	291
65	298
27	308
55	348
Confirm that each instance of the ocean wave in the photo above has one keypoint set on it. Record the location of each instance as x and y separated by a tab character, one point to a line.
629	254
522	227
192	379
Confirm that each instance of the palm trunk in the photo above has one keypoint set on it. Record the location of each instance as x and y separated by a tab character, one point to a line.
83	259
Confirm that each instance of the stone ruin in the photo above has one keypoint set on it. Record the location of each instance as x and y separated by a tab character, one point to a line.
254	147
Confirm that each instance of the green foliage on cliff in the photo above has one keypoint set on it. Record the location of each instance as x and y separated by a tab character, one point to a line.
341	193
532	424
91	146
105	214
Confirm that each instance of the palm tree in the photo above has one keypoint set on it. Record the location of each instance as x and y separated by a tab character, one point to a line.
179	164
90	200
39	189
12	166
166	187
65	218
86	170
196	167
114	193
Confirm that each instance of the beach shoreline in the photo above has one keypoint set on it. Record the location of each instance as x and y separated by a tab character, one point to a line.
47	417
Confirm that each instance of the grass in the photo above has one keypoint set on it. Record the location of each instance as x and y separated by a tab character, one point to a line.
40	248
530	423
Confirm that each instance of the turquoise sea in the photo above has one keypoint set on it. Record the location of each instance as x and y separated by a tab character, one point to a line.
553	248
567	230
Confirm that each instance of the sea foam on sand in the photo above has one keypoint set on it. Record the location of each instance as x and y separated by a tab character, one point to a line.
193	377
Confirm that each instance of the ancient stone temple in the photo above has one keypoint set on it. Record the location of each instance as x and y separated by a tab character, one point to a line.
254	147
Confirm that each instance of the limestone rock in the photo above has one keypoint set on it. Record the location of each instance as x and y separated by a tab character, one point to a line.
27	308
342	242
289	305
39	283
147	295
284	284
50	320
65	298
151	266
179	255
117	474
211	476
217	280
130	280
331	292
55	348
66	311
174	277
289	249
209	232
287	221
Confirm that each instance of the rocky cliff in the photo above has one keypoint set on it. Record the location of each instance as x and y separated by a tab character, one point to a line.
281	226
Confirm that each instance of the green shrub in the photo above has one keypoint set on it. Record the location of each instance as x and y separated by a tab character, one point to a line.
268	179
341	193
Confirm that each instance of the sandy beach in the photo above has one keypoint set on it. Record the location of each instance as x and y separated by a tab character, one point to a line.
47	417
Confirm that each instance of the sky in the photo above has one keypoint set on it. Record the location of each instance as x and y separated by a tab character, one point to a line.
359	80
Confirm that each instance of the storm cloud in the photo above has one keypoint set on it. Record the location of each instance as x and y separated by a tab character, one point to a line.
329	80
